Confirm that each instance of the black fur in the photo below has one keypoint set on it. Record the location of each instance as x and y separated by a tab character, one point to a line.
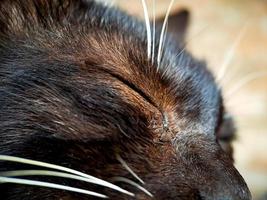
76	88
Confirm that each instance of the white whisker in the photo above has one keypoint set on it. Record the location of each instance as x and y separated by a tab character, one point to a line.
164	38
163	29
230	54
154	32
230	77
65	169
181	56
185	46
194	36
148	29
125	180
50	185
237	109
243	82
16	173
124	164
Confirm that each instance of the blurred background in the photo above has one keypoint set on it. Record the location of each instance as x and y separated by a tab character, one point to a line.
231	33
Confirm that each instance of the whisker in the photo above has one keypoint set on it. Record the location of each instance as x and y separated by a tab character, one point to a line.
164	38
50	185
148	29
154	31
195	35
181	56
244	81
230	54
248	102
163	31
126	180
124	164
230	77
16	173
65	169
254	106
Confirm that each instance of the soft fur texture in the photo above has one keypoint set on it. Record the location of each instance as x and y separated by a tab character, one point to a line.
77	88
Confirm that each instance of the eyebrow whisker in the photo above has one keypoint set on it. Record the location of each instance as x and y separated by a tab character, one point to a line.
244	81
162	34
148	28
230	54
154	31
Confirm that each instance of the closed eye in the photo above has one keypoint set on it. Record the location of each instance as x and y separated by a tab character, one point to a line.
226	134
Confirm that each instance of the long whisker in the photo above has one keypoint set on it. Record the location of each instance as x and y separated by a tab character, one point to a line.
16	173
239	111
148	29
195	35
124	164
230	54
163	31
164	38
230	77
245	81
50	185
65	169
154	31
126	180
248	102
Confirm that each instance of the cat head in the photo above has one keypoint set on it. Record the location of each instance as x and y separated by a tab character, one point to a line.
85	87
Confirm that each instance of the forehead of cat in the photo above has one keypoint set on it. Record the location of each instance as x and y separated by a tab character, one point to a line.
107	43
179	85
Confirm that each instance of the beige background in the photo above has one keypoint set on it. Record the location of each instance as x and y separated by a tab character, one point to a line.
215	26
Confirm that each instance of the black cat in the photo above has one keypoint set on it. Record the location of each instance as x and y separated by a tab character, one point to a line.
83	86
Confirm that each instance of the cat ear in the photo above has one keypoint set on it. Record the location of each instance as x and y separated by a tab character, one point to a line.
177	25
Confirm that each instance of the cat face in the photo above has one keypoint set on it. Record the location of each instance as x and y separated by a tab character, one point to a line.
81	89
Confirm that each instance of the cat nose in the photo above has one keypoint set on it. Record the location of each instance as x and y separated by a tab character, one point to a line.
225	195
209	170
220	186
224	183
